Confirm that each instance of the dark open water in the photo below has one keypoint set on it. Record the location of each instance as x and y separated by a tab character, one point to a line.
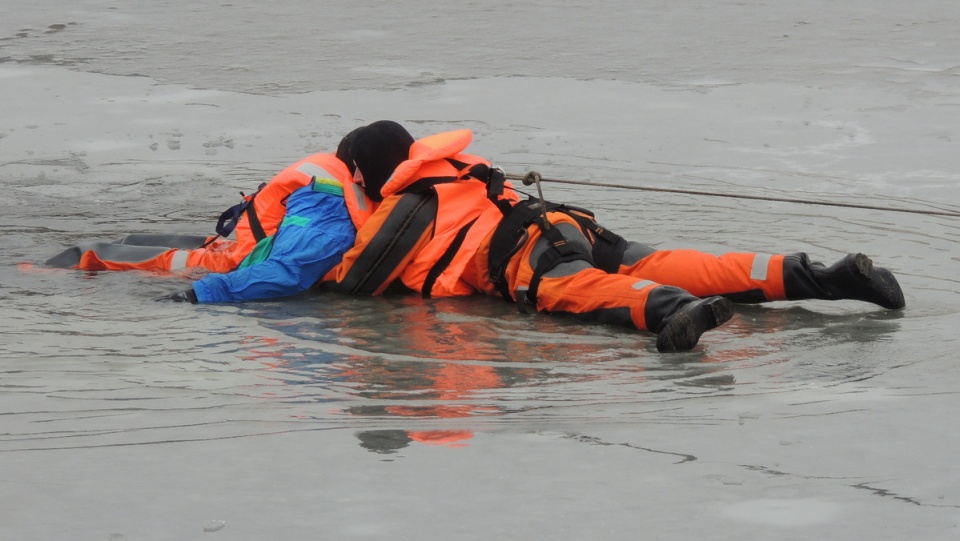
396	418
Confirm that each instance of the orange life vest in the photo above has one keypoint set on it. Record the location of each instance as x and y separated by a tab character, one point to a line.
435	214
267	207
258	217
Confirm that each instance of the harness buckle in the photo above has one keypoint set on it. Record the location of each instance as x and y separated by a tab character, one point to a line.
524	304
495	180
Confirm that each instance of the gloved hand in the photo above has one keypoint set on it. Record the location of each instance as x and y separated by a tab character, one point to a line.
181	296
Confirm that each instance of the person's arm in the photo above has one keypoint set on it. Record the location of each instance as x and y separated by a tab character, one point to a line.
312	240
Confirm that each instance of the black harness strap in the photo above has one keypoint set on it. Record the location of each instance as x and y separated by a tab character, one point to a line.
508	238
608	247
391	245
231	217
607	254
511	235
493	177
444	261
496	180
560	251
426	183
255	227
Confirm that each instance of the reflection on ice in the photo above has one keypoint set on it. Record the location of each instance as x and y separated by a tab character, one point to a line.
453	362
121	414
139	372
390	441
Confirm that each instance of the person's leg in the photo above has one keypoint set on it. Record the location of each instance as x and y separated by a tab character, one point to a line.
98	256
741	277
752	277
576	287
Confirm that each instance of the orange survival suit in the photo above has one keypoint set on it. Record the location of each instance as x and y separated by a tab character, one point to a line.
450	225
255	219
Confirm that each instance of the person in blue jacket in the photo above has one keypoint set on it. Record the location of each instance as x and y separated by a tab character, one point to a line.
312	239
315	233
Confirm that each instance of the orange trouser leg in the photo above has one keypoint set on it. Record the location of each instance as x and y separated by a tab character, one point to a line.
141	258
213	259
593	295
578	288
744	277
113	256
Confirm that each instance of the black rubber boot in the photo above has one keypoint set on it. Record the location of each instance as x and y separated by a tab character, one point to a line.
679	318
853	277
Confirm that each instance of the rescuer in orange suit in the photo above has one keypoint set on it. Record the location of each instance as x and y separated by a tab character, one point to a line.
449	224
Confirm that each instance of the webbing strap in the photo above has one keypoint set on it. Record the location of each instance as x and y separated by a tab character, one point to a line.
444	261
560	251
391	245
493	177
511	235
255	227
231	217
608	247
496	184
508	238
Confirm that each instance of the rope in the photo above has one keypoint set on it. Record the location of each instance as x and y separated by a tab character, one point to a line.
534	177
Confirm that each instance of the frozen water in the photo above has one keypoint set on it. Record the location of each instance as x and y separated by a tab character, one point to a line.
346	418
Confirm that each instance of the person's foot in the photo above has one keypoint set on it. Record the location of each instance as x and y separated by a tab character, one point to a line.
682	331
853	277
875	284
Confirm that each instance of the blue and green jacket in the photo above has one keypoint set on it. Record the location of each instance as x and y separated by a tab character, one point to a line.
312	239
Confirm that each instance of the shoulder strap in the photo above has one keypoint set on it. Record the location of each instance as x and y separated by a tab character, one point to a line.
391	246
231	217
444	261
510	236
255	227
495	179
560	251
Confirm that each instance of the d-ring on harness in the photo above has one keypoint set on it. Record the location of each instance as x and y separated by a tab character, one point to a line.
533	177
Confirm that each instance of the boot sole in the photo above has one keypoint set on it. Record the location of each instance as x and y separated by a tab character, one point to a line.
885	291
864	265
684	329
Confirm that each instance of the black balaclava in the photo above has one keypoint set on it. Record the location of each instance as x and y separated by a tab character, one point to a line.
377	150
343	149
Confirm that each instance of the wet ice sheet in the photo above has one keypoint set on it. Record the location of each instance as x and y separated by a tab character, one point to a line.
462	419
327	416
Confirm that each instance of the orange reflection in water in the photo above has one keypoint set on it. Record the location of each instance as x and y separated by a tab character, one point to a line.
437	363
